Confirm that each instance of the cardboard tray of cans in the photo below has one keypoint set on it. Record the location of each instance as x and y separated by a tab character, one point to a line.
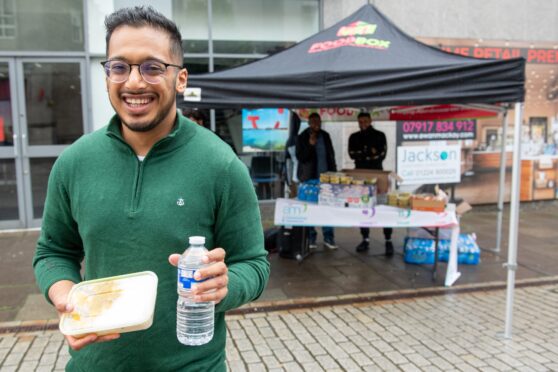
428	203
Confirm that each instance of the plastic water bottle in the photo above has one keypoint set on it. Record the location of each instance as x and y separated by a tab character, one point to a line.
194	320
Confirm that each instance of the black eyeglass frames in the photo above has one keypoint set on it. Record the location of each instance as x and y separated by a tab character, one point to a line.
152	72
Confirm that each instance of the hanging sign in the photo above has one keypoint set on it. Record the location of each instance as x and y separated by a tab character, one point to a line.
436	130
425	165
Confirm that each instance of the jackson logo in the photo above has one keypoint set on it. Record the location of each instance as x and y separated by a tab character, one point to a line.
354	35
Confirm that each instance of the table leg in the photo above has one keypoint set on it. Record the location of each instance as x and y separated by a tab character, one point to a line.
452	274
435	266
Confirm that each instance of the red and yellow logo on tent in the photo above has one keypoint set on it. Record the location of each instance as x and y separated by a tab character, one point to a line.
355	35
357	28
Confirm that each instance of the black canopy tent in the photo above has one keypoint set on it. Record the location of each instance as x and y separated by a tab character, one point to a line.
362	61
366	61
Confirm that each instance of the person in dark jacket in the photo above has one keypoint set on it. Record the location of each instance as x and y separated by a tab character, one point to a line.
368	148
315	155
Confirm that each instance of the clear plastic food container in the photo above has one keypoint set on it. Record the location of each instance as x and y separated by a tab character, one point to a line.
118	304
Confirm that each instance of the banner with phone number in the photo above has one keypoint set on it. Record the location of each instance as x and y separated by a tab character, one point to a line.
436	130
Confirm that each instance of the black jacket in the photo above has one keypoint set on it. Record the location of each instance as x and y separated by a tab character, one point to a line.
361	144
306	156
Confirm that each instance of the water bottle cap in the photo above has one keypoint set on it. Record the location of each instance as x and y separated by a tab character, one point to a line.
197	240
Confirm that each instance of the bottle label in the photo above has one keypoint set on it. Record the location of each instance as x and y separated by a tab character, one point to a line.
186	278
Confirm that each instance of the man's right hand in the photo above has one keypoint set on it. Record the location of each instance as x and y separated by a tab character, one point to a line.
58	294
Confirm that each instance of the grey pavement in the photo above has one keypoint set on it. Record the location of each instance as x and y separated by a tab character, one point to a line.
460	332
342	310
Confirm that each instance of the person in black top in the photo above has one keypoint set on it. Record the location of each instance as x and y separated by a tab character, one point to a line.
368	148
315	155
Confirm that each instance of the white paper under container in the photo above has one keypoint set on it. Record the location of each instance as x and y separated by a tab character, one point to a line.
116	304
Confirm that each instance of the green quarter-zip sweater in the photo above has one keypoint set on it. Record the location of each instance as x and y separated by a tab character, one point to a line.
120	215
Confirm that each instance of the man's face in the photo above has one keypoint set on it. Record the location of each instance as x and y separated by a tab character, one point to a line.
142	106
315	124
364	122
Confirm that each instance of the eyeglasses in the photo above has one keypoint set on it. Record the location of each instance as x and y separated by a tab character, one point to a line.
151	71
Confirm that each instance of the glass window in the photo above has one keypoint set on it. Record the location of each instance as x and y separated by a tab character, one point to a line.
191	18
226	63
53	102
55	25
6	124
266	168
8	190
196	65
262	27
40	170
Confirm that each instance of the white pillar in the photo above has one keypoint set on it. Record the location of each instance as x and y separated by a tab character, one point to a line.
514	219
502	183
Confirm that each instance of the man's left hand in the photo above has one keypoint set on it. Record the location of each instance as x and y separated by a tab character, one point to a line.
215	276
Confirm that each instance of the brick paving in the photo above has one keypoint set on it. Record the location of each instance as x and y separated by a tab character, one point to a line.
453	332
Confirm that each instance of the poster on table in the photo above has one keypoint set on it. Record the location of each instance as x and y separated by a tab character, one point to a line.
264	129
290	212
429	164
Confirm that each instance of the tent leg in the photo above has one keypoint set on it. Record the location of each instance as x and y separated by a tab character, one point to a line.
514	219
501	184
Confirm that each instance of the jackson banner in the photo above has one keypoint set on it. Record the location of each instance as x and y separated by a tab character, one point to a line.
426	165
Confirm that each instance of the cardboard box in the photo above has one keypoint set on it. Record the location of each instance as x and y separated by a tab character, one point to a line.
382	177
463	208
429	205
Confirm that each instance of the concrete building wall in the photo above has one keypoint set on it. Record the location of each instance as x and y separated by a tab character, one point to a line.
514	20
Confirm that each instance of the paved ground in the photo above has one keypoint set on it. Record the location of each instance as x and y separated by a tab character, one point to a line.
393	315
331	273
441	333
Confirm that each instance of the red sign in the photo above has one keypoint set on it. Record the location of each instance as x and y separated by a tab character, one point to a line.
531	55
437	112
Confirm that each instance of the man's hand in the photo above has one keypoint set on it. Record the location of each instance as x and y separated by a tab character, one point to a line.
215	287
58	294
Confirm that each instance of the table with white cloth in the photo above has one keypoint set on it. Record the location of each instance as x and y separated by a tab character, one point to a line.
292	212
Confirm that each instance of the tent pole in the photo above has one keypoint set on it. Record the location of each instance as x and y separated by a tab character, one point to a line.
514	218
501	184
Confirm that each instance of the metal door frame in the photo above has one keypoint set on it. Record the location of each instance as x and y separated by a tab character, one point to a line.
14	152
22	151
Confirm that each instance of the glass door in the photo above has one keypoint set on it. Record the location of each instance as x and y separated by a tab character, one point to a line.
51	117
12	207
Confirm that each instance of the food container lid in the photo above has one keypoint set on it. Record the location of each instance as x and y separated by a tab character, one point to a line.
116	304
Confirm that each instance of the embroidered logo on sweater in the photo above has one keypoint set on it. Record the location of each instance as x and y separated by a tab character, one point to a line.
180	202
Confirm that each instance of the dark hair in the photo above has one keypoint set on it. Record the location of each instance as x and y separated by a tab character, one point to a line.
364	115
314	115
194	114
197	116
141	16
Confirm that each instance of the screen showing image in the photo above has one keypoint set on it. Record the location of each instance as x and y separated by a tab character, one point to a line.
264	129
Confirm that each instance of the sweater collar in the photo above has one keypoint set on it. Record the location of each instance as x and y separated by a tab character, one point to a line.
180	134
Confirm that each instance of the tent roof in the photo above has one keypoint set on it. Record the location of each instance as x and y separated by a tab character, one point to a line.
362	61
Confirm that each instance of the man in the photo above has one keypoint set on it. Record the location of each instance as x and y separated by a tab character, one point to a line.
315	155
127	197
368	148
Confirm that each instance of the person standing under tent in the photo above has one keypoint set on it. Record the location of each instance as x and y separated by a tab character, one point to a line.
368	148
315	155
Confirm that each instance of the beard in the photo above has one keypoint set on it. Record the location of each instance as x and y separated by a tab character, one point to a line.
141	125
147	126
